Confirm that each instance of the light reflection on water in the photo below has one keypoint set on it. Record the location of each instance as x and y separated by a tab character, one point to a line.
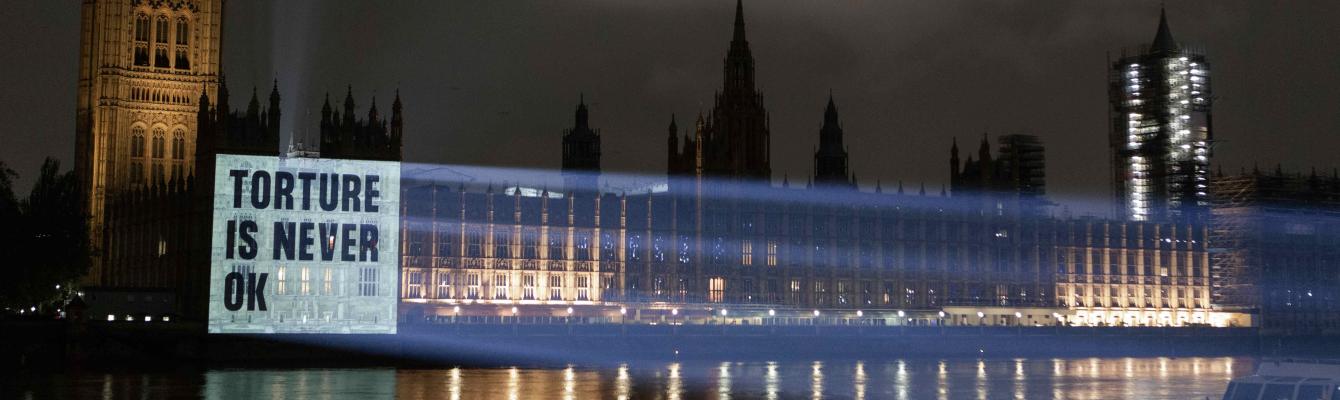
1086	378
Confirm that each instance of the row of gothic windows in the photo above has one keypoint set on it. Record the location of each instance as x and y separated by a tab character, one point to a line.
157	172
160	31
159	143
158	150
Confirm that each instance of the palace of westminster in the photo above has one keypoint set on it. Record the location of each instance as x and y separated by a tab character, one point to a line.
720	242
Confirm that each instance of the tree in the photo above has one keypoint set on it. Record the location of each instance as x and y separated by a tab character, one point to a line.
45	239
9	205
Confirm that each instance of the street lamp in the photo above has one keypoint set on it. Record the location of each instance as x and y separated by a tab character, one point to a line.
860	313
816	313
772	313
902	314
569	310
674	311
723	312
623	310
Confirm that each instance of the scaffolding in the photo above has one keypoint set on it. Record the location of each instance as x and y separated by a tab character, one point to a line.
1231	272
1273	248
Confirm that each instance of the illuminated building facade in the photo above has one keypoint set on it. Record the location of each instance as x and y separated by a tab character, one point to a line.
1126	273
716	247
156	232
479	252
1161	132
142	68
1276	242
153	111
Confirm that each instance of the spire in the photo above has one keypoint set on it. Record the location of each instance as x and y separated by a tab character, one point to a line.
254	106
673	139
325	110
222	108
204	99
272	113
1163	40
953	162
373	117
739	62
984	151
831	113
582	119
739	21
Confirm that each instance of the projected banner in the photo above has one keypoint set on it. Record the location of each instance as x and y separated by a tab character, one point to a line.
304	245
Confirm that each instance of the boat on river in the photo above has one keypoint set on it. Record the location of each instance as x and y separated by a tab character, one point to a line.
1288	379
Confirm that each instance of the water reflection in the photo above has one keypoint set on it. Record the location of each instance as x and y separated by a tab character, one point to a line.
771	382
1088	378
817	380
621	386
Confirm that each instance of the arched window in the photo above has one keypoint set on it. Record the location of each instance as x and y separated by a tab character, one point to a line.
137	142
182	53
141	40
141	28
183	32
161	30
161	39
158	143
179	145
136	153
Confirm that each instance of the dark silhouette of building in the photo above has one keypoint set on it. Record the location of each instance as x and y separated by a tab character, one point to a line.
830	159
733	141
1013	181
345	136
1274	248
1161	132
581	153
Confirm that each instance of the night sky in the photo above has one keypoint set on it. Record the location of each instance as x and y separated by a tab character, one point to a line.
496	82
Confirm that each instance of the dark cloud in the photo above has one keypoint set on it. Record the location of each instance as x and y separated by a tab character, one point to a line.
494	83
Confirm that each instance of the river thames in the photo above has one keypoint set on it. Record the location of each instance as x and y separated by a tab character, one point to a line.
1058	378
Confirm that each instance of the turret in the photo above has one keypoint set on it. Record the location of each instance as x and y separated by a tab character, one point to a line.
672	148
1163	40
272	115
397	126
581	152
953	165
